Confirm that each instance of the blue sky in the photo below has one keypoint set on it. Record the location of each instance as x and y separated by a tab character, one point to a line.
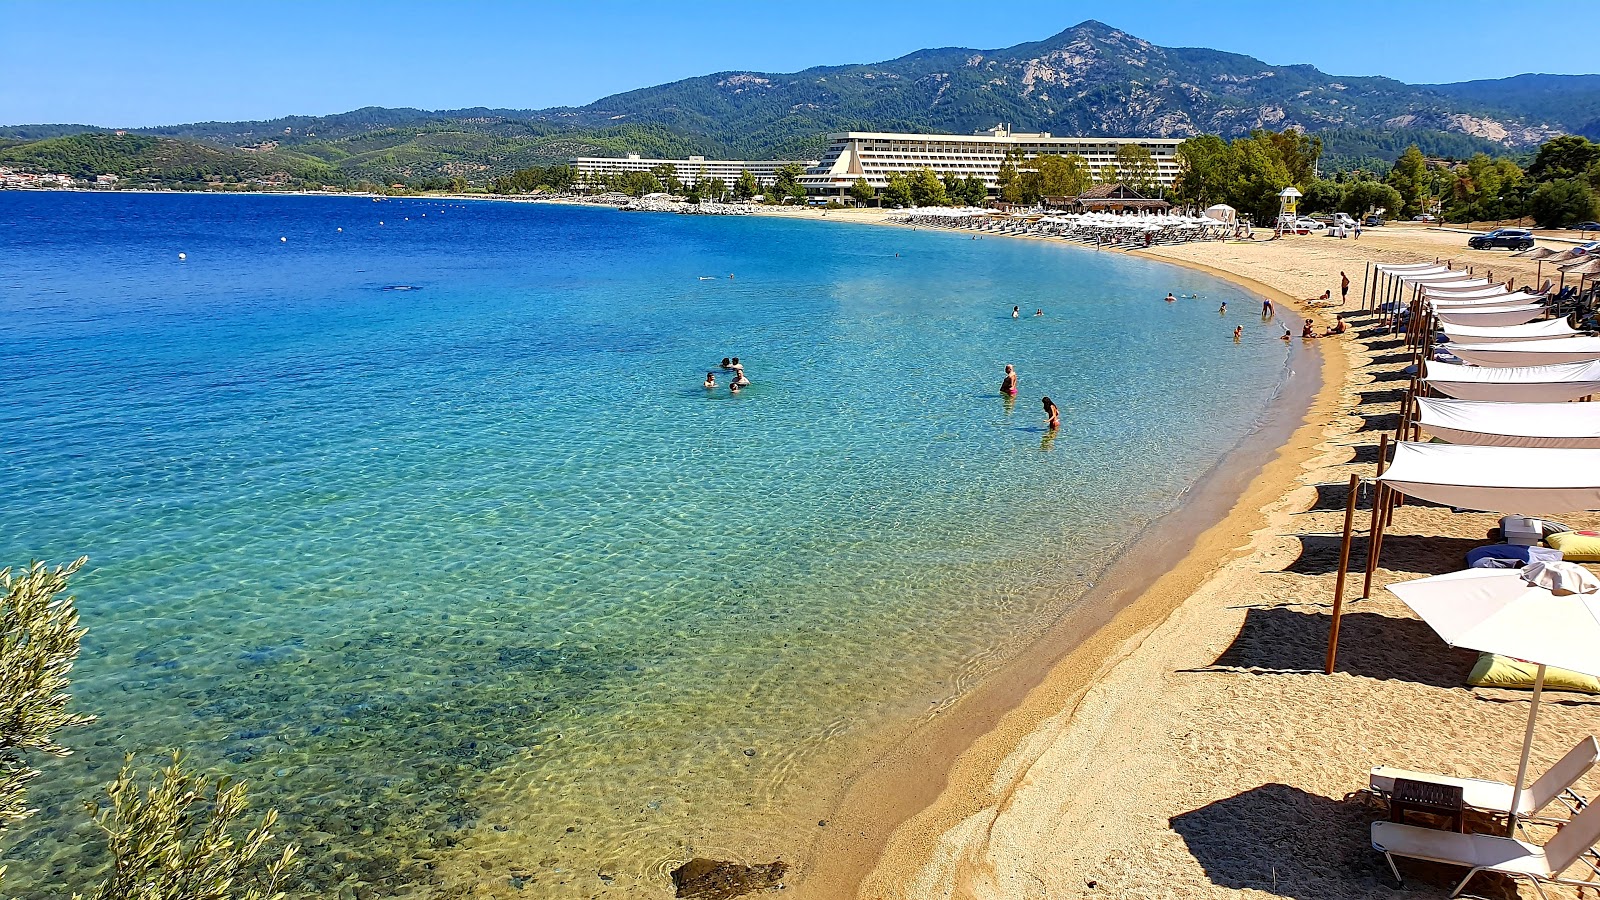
145	62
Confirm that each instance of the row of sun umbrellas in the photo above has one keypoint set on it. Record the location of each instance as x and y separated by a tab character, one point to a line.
1093	228
1516	444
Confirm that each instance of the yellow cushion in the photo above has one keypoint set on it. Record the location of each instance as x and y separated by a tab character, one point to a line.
1575	546
1502	672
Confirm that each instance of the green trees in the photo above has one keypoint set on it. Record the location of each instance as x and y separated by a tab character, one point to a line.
862	192
1569	156
1136	168
747	186
927	189
175	839
973	191
898	191
1485	189
1207	168
713	189
786	186
1064	176
1364	197
1558	204
1410	178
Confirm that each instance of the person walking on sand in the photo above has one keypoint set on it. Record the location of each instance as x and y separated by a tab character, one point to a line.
1008	384
1016	312
1344	288
1358	231
1052	413
1238	333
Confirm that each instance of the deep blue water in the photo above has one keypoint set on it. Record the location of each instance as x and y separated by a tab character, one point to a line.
428	528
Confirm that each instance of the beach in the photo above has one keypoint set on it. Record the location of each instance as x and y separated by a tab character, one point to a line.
1192	747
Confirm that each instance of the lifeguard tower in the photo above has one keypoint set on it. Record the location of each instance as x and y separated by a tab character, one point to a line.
1288	209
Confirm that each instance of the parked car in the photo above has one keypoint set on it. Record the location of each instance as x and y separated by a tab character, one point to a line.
1309	225
1372	221
1423	218
1591	247
1587	226
1507	238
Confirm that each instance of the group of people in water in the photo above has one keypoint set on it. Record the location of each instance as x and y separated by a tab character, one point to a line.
735	380
1270	312
1008	390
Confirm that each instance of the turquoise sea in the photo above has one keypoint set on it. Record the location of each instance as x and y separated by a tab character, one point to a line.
416	515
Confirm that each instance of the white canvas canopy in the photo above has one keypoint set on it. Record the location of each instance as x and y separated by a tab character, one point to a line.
1222	212
1471	289
1481	303
1492	315
1529	353
1520	384
1458	278
1399	268
1511	424
1495	334
1534	481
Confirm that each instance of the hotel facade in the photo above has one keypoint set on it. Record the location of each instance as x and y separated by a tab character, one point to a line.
874	156
693	170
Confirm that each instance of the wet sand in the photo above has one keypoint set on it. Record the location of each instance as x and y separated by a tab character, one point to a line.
1192	747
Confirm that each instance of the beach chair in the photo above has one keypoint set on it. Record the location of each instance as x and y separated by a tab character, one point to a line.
1492	853
1495	796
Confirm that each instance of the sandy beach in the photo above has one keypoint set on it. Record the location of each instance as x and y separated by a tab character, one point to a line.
1192	747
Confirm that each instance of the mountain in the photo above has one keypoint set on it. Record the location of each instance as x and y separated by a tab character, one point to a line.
1088	80
1571	102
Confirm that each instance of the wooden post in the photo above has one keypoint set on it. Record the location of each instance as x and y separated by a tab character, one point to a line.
1344	563
1379	497
1366	275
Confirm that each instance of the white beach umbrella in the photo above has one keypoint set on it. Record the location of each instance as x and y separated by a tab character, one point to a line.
1547	614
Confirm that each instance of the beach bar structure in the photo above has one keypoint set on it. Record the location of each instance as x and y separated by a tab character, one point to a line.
873	156
693	170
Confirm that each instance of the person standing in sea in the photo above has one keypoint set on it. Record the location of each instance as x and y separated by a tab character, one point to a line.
1008	384
1238	333
1016	312
1266	309
1052	413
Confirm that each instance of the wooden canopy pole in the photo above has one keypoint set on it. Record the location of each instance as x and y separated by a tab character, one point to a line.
1375	530
1366	275
1344	563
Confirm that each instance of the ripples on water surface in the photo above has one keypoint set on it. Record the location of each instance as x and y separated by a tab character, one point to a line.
478	585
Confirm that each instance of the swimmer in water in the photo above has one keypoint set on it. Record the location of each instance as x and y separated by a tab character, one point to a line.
733	386
1008	384
736	366
711	381
1170	298
739	380
1016	312
1052	413
1223	309
1238	332
725	364
1286	335
1037	313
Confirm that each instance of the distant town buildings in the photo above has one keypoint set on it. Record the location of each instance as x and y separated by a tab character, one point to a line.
12	178
874	156
694	170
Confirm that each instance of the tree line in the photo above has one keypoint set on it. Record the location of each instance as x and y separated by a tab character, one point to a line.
1559	188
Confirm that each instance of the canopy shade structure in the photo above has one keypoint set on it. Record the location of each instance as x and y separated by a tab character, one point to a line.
1515	384
1491	315
1405	268
1459	279
1496	334
1533	481
1547	614
1447	292
1537	253
1511	424
1529	353
1517	299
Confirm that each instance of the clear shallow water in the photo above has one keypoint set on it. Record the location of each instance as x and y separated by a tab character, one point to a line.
478	585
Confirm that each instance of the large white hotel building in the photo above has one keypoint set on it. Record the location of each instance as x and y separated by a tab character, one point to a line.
874	156
693	170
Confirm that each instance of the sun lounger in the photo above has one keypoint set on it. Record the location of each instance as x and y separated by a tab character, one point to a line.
1495	796
1491	853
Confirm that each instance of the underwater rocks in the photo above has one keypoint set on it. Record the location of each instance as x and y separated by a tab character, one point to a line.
714	879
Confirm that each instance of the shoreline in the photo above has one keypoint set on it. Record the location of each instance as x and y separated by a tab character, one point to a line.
927	783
